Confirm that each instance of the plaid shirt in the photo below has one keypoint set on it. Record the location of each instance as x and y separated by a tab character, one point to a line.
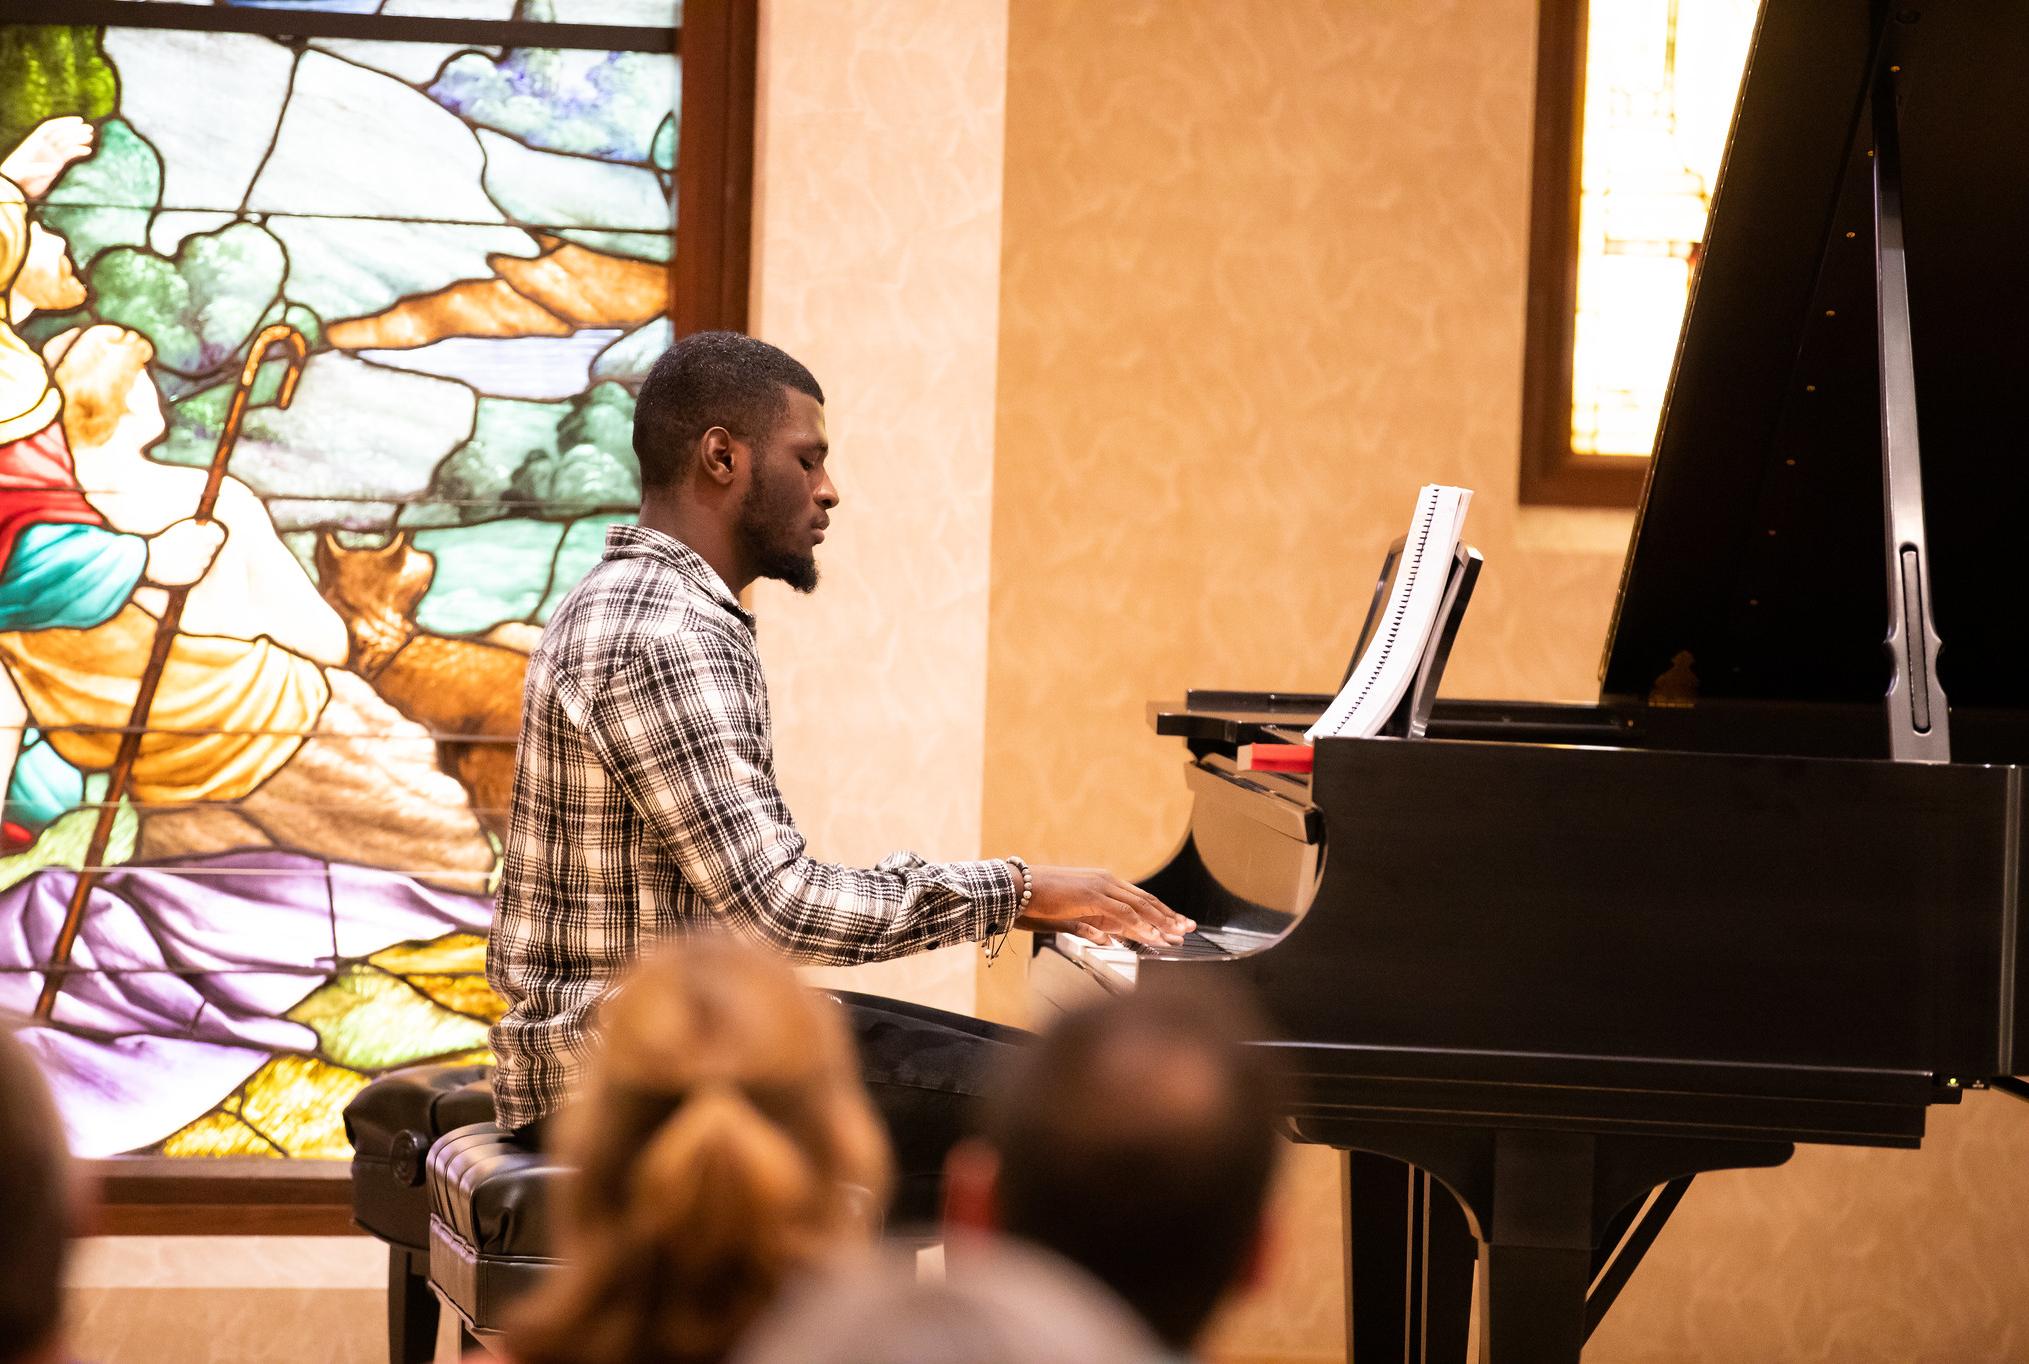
645	805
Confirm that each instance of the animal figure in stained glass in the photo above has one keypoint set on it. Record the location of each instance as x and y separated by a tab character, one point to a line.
467	692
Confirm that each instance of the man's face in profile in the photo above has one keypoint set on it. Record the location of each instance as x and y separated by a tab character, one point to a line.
789	496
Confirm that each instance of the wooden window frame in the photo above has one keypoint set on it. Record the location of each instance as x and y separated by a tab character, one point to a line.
1552	472
709	278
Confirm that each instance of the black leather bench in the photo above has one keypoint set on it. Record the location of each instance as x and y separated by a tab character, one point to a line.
464	1208
393	1123
490	1227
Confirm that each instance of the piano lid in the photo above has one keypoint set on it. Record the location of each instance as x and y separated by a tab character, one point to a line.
1758	568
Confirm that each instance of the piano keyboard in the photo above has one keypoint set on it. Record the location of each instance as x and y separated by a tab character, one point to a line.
1069	971
1194	945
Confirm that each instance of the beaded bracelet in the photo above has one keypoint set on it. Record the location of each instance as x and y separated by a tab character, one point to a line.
1028	884
999	940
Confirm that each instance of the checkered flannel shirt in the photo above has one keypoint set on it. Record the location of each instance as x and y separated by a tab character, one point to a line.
645	805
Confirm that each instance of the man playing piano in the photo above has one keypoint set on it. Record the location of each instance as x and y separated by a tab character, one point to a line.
645	801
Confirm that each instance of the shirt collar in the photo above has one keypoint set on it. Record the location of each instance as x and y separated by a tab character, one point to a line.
629	541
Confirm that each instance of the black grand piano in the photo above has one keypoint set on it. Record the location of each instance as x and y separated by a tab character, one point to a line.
1560	959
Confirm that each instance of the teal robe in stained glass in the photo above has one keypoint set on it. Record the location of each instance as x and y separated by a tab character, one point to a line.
60	577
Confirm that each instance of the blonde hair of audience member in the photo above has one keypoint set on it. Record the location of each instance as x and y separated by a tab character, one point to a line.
1002	1303
722	1143
39	1199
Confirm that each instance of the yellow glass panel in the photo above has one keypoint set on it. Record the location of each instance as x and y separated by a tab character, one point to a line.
1661	77
453	952
466	994
218	1134
298	1102
451	971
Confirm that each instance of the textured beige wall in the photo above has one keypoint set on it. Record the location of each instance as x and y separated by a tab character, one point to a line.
1262	279
877	263
1263	275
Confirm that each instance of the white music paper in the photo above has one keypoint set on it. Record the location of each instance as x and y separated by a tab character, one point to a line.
1381	678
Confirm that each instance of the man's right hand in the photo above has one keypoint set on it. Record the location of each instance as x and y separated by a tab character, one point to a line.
1098	906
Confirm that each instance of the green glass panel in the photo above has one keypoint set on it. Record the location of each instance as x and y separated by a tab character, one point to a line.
369	1020
487	574
583	543
49	71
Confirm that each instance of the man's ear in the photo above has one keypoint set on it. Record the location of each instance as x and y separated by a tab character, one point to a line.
972	1189
718	455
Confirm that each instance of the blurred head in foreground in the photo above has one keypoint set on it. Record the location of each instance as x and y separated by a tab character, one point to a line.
1008	1305
1137	1140
37	1210
722	1143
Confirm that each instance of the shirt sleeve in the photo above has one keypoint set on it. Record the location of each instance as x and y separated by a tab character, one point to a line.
68	576
682	730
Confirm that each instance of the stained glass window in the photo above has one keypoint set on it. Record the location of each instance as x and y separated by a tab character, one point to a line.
401	295
1660	81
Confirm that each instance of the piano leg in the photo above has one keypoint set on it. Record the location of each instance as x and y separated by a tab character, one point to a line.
1538	1247
1409	1265
1450	1257
1535	1303
1548	1210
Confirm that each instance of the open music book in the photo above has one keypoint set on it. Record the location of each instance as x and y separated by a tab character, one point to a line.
1397	640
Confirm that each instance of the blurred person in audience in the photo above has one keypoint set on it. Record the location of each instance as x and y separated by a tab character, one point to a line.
1011	1305
38	1212
1137	1139
722	1143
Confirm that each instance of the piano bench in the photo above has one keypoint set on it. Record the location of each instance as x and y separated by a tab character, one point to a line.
392	1124
490	1229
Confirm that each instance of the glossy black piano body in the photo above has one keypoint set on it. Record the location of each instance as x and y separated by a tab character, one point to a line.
1559	968
1768	890
1629	939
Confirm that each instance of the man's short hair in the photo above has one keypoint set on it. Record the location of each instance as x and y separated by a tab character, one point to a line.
710	379
35	1206
1137	1139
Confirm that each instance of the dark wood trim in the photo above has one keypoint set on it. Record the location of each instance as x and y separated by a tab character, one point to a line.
171	1179
1550	472
296	23
220	1219
159	1196
715	167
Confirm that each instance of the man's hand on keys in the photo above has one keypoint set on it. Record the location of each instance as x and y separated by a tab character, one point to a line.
1099	907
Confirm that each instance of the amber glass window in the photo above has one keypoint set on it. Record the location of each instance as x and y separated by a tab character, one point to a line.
1634	100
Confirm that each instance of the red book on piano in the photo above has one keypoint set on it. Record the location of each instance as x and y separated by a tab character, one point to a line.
1275	757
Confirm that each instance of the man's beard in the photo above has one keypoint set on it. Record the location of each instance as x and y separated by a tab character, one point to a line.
765	528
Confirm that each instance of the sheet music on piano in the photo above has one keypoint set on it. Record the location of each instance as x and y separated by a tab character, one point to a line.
1382	676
